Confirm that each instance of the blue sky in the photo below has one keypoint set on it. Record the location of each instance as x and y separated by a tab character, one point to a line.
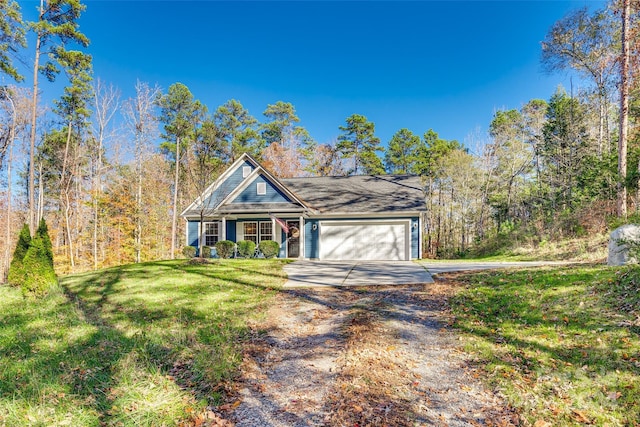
423	64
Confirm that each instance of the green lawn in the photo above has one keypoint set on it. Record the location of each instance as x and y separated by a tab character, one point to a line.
139	345
562	344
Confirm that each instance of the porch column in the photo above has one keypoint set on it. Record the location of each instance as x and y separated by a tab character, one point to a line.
273	230
301	240
223	232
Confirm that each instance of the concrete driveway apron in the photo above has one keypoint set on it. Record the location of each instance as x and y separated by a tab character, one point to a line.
304	274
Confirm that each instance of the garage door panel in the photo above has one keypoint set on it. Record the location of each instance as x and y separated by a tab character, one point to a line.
374	240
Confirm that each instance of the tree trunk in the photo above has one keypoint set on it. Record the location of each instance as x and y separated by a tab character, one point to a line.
138	236
34	113
7	247
624	111
175	201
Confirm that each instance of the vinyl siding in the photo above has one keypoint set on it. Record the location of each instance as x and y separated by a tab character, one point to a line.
231	230
250	194
192	233
311	242
415	238
231	183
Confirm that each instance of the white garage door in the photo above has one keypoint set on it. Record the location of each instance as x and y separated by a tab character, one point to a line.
366	240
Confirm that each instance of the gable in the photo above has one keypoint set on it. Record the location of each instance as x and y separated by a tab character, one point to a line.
228	185
250	194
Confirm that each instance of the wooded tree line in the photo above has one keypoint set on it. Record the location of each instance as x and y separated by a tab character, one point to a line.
110	175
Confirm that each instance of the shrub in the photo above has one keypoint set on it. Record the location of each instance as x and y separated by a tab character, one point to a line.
269	248
225	248
246	248
206	252
39	274
189	251
16	269
43	232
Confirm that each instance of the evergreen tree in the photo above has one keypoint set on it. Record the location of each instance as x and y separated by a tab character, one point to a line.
43	232
16	269
39	275
358	142
402	155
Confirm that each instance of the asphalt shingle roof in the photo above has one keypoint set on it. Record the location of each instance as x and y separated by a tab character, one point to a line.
360	193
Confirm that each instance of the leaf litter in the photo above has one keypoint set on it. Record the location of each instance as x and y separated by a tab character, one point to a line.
376	356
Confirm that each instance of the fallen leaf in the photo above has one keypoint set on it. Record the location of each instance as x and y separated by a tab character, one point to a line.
541	423
580	416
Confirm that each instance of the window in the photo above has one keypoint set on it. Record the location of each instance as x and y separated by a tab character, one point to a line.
266	231
262	188
246	171
251	231
258	231
211	234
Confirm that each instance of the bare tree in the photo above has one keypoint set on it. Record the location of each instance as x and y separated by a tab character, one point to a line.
106	100
142	123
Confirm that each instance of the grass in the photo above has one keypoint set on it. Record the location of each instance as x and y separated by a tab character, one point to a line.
561	344
139	345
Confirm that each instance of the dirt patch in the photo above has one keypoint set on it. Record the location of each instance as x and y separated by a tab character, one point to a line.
376	356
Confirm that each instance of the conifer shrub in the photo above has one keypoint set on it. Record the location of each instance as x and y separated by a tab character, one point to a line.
225	248
206	252
43	232
269	248
246	248
16	268
39	276
189	251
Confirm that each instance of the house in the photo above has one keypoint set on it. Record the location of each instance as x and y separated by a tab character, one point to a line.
327	218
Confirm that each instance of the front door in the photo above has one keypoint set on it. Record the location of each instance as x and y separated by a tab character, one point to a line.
293	239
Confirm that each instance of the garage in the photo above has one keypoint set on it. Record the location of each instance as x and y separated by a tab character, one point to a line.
365	240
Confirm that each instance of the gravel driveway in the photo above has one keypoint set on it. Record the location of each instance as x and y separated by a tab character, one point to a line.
362	356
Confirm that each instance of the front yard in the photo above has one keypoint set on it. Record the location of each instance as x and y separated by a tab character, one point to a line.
159	343
561	344
145	344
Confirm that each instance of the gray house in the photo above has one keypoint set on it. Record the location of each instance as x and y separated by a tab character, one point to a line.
328	218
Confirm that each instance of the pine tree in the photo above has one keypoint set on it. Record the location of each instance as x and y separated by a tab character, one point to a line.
16	269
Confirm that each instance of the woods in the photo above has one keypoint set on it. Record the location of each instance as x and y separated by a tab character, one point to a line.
111	175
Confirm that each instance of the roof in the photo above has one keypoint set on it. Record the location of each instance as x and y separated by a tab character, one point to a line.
359	193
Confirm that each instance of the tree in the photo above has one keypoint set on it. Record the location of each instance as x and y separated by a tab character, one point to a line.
43	233
142	125
207	149
358	142
625	60
287	143
16	269
565	148
73	108
105	100
324	160
238	130
430	165
39	274
402	155
512	158
180	113
12	37
57	19
585	43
